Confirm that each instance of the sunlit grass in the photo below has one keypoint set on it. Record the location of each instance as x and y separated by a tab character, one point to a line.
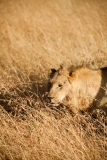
34	37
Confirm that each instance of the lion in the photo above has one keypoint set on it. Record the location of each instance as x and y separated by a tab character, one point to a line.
81	90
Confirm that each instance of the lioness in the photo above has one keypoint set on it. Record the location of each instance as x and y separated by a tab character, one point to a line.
82	89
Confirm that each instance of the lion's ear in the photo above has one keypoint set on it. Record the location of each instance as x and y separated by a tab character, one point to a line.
53	70
72	76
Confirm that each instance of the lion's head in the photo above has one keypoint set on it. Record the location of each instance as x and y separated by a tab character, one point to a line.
60	85
79	89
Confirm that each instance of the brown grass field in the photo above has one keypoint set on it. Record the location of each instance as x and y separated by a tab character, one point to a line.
36	35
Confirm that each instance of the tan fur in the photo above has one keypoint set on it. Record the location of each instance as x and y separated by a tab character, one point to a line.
83	90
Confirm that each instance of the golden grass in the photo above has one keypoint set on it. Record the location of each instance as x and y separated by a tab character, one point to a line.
36	35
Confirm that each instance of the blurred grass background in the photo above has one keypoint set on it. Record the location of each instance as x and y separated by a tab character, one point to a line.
37	35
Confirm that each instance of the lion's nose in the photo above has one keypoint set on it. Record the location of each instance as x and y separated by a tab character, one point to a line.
50	98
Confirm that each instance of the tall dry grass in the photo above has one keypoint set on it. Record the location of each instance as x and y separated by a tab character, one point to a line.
35	36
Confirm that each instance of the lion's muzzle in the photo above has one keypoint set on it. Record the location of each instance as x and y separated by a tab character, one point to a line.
49	99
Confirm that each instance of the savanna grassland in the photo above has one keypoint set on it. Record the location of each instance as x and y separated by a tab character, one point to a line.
36	35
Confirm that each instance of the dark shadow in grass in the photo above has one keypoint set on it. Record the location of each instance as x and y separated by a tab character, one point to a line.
23	97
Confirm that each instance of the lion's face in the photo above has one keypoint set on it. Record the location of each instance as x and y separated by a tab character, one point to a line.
59	87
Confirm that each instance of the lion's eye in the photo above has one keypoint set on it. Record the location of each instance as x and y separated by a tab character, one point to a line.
60	86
